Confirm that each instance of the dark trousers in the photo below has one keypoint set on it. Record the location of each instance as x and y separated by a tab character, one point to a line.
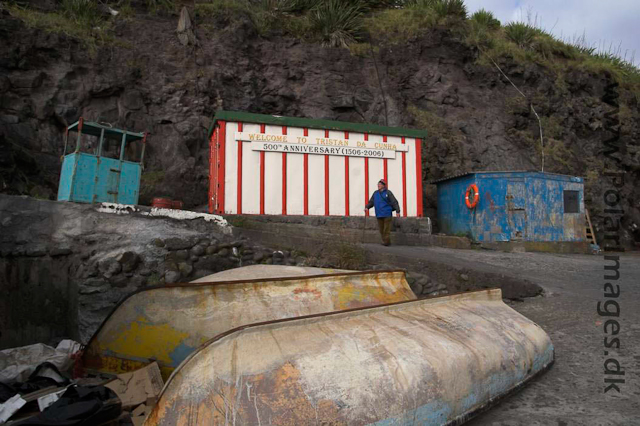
384	225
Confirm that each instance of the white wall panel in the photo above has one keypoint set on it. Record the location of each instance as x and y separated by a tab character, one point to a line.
412	185
316	178
356	181
295	178
231	169
273	177
336	180
250	174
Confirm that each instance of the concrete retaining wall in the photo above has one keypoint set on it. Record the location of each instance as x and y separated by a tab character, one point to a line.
306	231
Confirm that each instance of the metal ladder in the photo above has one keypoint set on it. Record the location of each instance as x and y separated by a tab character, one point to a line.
590	235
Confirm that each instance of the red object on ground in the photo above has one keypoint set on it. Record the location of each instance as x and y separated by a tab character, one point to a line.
162	203
175	204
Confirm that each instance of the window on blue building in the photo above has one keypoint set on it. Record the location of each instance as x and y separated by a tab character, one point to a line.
571	204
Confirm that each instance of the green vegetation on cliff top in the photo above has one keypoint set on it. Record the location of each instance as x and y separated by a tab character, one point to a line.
357	24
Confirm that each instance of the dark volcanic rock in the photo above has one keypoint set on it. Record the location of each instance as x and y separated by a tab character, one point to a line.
129	261
198	250
177	244
60	251
172	277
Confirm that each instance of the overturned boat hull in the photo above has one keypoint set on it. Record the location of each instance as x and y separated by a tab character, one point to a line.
165	324
427	362
261	272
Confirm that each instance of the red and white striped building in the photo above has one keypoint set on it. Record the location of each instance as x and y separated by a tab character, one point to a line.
264	164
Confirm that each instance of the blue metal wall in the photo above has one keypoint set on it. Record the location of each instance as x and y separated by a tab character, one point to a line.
513	206
547	220
129	183
454	218
66	174
86	178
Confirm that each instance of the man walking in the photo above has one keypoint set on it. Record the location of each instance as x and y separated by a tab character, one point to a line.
385	203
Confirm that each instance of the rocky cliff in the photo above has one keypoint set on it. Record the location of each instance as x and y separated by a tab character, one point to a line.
143	78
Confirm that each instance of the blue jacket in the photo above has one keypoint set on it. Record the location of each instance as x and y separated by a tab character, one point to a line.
384	202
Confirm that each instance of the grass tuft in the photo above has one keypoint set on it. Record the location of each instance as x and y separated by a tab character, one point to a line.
400	25
485	19
337	23
84	13
363	50
438	127
450	8
266	16
442	8
288	6
167	6
77	19
225	10
521	33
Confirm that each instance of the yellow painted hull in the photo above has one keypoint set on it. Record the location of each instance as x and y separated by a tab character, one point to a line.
426	362
167	323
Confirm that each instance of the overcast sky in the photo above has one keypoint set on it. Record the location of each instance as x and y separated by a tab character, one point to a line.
602	21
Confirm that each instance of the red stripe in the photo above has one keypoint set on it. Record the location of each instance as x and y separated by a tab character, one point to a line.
384	139
262	175
222	143
239	196
366	178
404	181
326	180
284	177
346	180
386	179
306	178
212	164
419	175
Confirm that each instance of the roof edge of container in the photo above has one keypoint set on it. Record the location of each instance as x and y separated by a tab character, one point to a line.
313	123
111	130
463	174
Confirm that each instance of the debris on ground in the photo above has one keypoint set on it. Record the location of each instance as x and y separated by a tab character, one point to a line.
36	389
17	364
79	405
10	406
137	387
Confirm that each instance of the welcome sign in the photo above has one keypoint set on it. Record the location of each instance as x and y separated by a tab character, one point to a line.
321	146
322	150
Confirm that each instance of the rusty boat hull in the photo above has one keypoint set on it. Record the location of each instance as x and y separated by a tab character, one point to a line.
426	362
165	324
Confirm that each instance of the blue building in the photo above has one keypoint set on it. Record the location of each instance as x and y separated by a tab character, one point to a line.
90	174
512	206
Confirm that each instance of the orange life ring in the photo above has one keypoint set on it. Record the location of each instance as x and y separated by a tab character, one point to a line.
476	196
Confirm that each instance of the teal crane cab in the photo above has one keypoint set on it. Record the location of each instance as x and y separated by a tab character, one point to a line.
103	166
